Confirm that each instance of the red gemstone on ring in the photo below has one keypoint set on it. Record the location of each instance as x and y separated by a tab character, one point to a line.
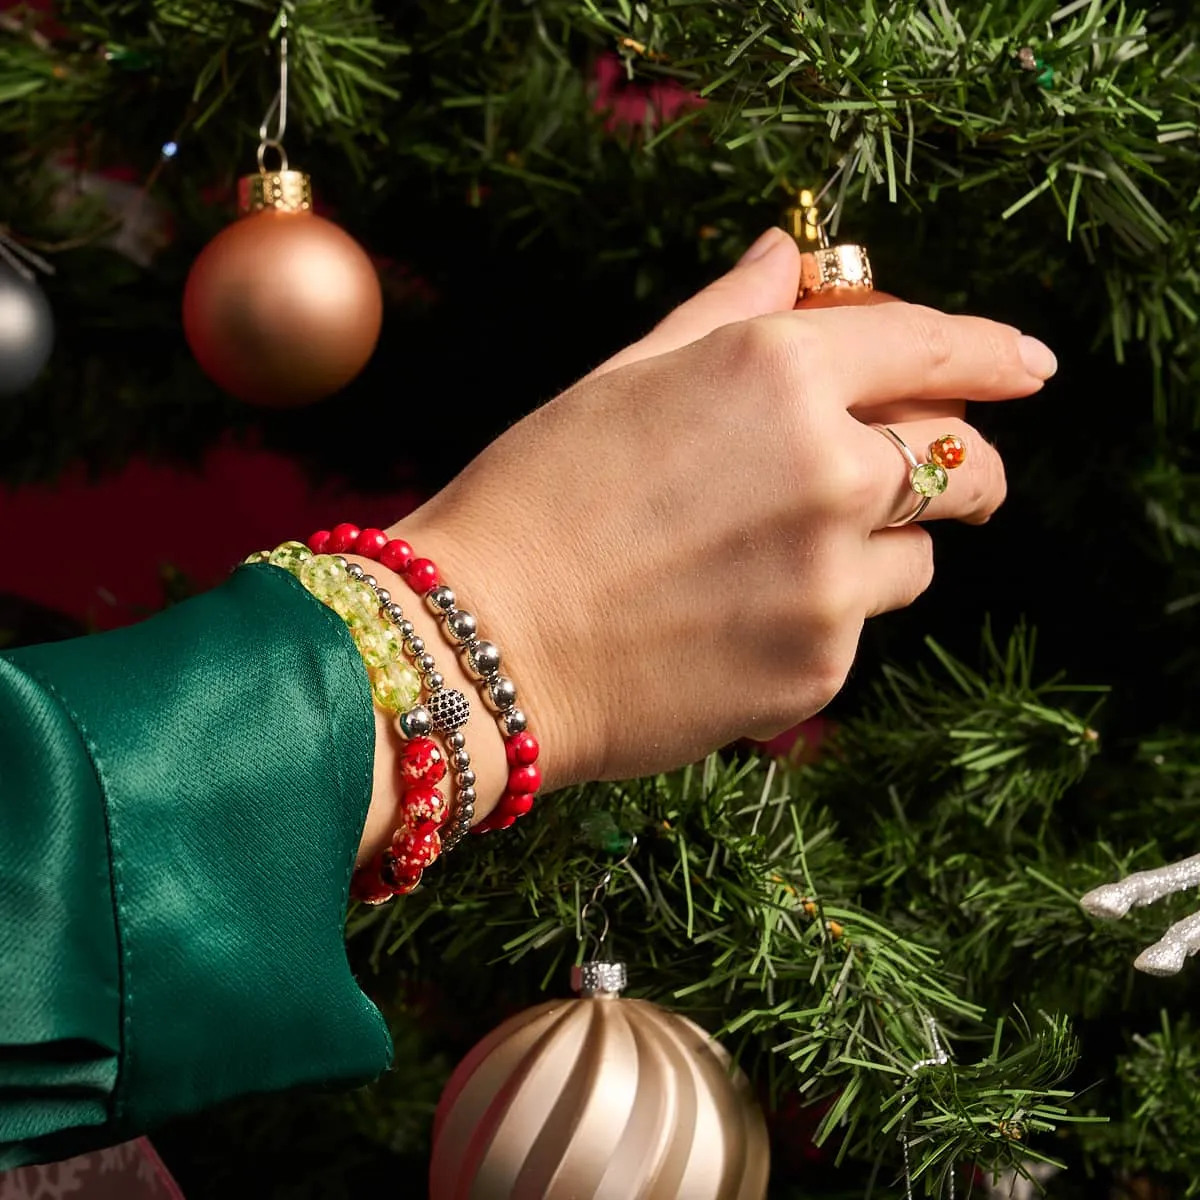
948	451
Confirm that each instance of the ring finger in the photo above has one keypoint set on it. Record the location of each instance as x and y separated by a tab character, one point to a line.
973	489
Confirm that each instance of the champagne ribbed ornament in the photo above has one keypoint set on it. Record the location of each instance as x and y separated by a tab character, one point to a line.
598	1098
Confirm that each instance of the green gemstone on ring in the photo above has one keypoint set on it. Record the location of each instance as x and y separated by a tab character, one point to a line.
929	479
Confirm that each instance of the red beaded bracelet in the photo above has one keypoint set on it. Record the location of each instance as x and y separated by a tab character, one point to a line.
481	658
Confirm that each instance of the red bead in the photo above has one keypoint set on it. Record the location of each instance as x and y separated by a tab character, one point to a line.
396	555
342	538
525	779
367	886
416	850
421	575
319	541
516	804
522	749
397	873
502	822
370	543
484	826
424	805
422	761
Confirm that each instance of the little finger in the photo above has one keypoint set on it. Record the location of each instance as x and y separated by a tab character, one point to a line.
897	568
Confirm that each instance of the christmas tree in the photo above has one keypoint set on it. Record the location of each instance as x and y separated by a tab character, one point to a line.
542	180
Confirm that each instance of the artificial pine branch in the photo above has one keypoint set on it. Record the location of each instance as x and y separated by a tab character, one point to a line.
744	907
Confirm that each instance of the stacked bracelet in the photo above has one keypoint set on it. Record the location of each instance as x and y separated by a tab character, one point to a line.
481	658
383	637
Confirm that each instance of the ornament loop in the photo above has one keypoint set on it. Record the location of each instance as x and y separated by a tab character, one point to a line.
278	108
594	909
271	144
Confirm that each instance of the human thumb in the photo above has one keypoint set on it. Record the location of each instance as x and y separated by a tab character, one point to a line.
765	280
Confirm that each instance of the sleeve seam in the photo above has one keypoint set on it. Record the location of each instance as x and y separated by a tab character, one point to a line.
114	879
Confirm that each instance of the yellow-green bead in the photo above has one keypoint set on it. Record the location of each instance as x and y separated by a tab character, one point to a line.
396	686
258	556
291	556
324	576
355	603
379	645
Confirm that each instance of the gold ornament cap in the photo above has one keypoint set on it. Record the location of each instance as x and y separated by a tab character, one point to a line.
598	979
286	191
841	272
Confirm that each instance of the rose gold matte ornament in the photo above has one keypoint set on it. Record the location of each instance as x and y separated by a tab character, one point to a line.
281	308
598	1098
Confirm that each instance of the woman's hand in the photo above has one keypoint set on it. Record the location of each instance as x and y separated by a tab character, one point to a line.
682	549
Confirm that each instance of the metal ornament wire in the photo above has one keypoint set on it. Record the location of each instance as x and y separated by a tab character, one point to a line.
939	1058
278	108
593	909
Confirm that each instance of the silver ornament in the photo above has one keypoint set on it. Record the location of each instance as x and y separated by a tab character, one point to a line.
26	331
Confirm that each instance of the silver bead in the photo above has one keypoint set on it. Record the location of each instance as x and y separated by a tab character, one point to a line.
385	597
466	795
465	778
456	741
501	694
434	681
416	644
426	663
513	721
395	614
462	625
405	627
460	760
355	571
440	598
340	559
449	709
371	582
483	659
417	722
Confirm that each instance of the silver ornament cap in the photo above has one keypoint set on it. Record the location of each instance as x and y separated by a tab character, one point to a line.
599	979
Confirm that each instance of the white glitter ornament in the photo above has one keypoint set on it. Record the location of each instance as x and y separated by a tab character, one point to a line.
1114	900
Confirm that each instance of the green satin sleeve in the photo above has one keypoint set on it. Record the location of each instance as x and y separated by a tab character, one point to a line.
180	806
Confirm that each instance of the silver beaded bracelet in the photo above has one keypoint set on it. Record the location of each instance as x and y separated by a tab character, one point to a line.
445	711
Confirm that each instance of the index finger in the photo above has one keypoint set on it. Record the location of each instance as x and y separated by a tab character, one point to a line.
900	351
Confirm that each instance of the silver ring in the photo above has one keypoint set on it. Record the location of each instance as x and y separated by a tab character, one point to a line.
914	464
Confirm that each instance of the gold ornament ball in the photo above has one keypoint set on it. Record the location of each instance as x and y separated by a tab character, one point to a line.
598	1098
283	307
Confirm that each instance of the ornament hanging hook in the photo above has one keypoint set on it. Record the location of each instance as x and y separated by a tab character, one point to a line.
278	108
593	909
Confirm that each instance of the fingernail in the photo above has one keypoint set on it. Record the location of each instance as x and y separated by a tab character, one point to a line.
1038	358
761	248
